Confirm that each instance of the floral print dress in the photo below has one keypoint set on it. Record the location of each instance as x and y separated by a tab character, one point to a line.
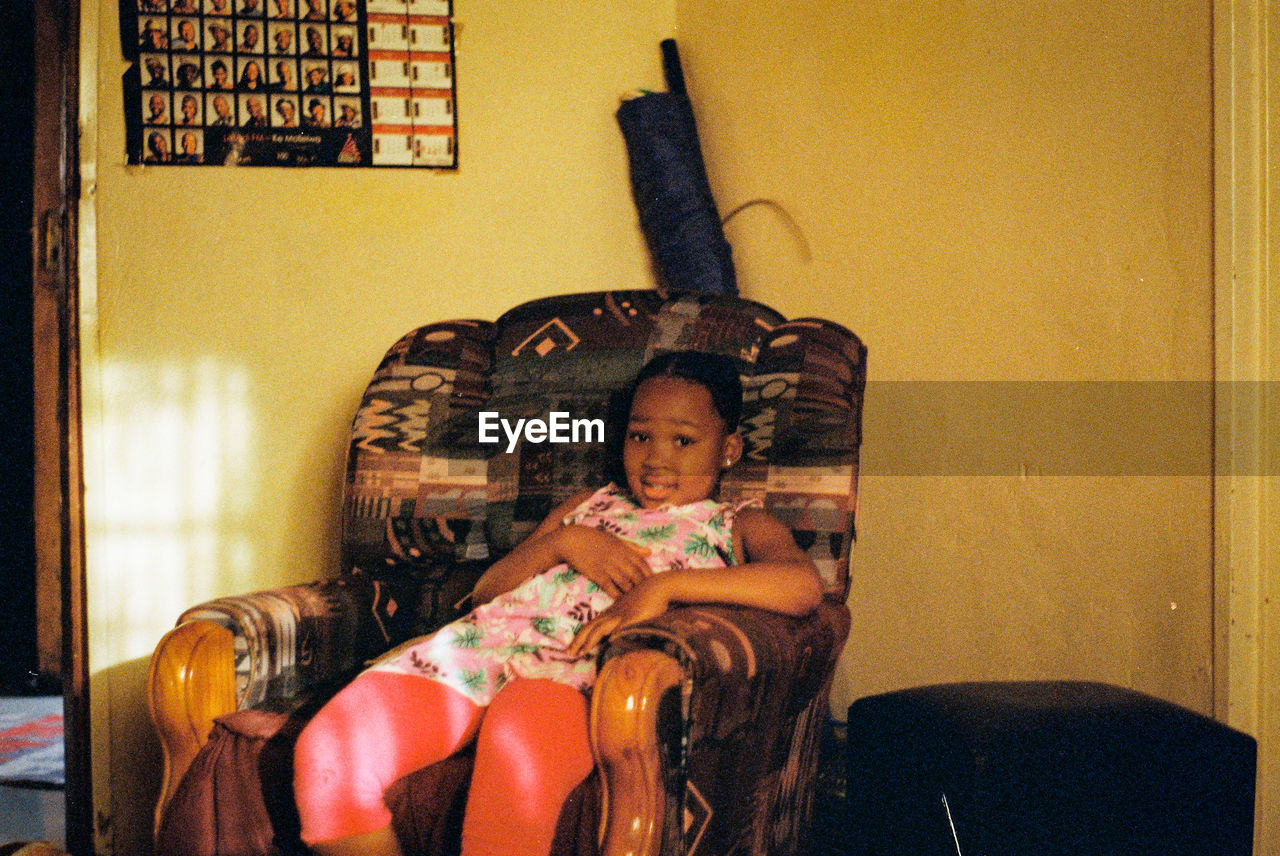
524	632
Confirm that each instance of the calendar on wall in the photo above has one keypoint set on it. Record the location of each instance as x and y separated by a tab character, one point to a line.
353	83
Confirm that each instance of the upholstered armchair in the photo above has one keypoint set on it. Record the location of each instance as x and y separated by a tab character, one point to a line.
705	722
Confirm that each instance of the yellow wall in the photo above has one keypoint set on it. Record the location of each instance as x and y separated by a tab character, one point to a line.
236	316
1003	193
987	192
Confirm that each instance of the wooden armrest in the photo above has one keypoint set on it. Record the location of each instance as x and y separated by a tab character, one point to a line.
191	682
624	719
744	670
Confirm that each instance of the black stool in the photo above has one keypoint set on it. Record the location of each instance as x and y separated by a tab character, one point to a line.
1045	768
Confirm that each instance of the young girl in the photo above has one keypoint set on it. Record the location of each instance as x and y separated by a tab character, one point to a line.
522	661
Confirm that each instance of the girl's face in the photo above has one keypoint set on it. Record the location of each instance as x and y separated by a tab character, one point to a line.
676	444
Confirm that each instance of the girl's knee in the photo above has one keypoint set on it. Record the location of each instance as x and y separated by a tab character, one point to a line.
536	731
378	728
337	783
344	722
533	751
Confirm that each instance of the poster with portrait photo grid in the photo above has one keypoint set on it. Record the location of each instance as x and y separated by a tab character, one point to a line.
350	83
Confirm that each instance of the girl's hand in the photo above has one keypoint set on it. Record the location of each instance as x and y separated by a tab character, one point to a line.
614	564
645	601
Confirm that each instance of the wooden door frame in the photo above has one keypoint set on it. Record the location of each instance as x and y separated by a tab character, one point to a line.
59	492
1246	372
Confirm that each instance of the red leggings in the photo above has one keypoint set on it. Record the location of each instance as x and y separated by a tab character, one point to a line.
532	751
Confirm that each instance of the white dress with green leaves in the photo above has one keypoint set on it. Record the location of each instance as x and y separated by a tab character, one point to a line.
524	632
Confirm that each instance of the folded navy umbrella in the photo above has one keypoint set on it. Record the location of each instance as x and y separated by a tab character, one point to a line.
669	181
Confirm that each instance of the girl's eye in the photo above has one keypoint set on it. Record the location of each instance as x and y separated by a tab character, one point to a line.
637	436
684	441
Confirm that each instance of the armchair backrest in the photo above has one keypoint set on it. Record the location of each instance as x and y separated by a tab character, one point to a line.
424	493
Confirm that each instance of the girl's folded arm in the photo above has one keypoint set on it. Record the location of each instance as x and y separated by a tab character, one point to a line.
614	564
785	587
531	556
776	575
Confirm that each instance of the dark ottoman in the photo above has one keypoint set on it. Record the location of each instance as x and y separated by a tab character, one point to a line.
1041	768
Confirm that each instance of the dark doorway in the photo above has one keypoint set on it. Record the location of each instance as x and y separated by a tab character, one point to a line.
20	670
27	811
43	644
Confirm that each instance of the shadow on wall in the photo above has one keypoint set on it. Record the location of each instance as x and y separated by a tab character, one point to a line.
124	802
178	519
172	521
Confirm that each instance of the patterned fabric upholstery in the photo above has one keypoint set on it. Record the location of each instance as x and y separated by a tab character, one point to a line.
428	506
753	703
290	641
422	492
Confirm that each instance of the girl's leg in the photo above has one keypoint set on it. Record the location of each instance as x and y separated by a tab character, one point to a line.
532	752
381	726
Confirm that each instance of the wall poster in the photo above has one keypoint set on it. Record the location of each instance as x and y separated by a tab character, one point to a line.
355	83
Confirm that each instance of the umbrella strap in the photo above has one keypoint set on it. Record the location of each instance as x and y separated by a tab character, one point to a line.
671	67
